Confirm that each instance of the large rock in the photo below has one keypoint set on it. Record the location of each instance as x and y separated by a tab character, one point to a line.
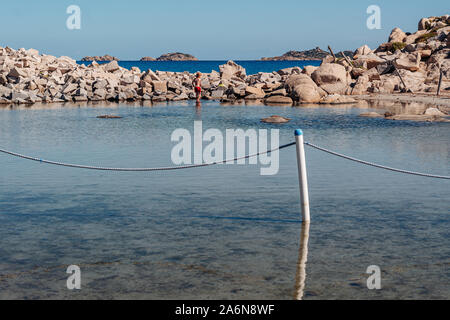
439	61
372	74
278	100
218	94
127	80
362	51
397	35
303	89
232	69
150	76
160	86
289	71
4	101
182	96
298	79
275	119
257	93
409	62
306	93
425	54
309	70
19	95
368	61
111	67
385	68
5	92
17	72
413	38
434	112
361	86
32	52
415	81
331	77
329	73
70	88
357	72
388	84
424	24
100	84
280	92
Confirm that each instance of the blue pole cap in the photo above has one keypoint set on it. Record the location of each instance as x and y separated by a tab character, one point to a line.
298	132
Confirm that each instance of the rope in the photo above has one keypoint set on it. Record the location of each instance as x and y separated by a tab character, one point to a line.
139	169
221	162
376	165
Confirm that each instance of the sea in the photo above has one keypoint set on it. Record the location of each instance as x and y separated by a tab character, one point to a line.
226	231
251	66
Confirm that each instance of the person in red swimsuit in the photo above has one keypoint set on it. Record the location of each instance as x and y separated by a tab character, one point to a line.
197	85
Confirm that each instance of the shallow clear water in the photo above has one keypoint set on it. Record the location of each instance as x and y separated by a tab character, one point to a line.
224	231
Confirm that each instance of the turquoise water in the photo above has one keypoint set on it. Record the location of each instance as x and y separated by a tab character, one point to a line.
251	67
225	231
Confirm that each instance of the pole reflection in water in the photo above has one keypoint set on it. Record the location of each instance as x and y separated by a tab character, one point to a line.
300	277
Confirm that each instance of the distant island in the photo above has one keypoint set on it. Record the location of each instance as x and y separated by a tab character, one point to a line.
313	54
106	57
175	56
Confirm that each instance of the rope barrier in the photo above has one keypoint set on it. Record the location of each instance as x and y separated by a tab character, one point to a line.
140	169
376	165
224	161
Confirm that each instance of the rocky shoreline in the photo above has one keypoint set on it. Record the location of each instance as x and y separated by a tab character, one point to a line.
174	56
441	102
408	62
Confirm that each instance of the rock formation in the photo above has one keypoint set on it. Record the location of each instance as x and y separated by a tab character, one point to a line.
106	57
419	58
28	77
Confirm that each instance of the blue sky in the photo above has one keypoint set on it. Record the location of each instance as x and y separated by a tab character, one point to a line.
232	29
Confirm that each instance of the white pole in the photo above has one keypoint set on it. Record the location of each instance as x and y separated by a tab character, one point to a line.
302	176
